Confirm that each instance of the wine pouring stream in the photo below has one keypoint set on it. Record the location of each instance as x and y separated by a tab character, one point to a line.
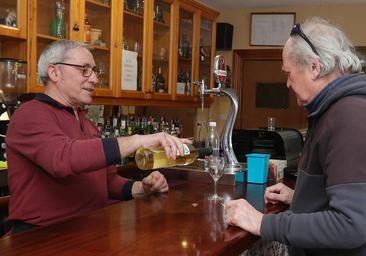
231	163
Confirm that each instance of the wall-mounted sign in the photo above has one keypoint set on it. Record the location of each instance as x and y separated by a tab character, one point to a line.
270	29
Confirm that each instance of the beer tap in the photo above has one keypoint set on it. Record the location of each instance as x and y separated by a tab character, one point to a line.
232	165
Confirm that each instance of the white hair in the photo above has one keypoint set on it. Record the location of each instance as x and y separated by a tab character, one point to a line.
55	52
335	50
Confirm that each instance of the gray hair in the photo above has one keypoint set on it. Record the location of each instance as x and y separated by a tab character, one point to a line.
55	52
335	50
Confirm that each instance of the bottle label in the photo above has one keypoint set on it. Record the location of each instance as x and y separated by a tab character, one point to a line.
186	150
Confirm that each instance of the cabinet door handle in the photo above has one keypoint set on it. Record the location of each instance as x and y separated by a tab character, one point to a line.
76	27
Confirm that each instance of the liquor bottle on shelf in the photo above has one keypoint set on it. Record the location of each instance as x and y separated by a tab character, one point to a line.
155	157
160	82
123	127
159	16
180	82
107	129
188	84
180	49
87	31
203	54
58	24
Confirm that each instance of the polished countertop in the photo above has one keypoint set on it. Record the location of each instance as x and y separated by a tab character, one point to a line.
180	222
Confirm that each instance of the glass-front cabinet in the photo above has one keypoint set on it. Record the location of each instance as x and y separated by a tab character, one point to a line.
133	52
205	50
13	18
161	48
148	51
88	21
98	24
185	53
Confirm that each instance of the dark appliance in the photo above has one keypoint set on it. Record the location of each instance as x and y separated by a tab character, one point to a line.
283	144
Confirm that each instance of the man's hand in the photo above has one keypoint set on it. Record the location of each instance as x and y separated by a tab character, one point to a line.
172	145
278	193
153	183
242	214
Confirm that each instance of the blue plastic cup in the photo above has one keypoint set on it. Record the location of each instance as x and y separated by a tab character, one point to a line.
257	168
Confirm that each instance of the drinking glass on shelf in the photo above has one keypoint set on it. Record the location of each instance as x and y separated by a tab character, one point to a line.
216	169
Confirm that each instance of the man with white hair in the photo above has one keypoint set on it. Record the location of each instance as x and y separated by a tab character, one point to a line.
328	206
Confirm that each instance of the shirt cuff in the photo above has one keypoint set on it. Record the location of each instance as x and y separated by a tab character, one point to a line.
127	190
111	151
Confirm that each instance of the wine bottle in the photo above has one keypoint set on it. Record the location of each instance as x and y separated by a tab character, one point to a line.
87	31
155	157
160	82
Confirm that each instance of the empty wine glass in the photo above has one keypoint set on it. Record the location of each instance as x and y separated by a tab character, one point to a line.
215	169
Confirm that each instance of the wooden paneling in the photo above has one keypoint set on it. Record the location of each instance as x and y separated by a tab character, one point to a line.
262	66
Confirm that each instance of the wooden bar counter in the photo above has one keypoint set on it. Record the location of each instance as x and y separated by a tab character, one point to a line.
180	222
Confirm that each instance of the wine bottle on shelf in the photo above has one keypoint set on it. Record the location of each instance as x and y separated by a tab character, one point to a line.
58	24
155	157
188	84
203	54
87	31
180	82
160	82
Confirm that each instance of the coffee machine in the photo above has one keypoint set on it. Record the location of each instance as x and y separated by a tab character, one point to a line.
13	77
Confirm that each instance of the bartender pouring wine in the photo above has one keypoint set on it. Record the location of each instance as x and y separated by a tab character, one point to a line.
58	165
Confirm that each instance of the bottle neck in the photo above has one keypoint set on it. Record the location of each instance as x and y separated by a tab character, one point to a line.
202	152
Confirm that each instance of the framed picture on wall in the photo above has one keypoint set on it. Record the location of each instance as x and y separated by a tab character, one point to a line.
270	29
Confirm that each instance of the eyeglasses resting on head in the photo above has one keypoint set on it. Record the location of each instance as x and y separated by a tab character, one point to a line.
296	30
86	69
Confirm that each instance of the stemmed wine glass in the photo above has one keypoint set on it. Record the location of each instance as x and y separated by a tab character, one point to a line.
216	169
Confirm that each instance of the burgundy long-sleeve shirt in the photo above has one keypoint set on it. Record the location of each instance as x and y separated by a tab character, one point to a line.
58	166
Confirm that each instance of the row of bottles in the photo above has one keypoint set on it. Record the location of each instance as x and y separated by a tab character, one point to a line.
135	6
122	125
158	82
183	82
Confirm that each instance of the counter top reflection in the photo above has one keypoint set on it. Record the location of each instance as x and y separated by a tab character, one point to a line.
180	222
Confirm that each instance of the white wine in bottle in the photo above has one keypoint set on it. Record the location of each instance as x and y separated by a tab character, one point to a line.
155	157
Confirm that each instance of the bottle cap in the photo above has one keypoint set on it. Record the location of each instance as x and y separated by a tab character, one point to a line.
212	124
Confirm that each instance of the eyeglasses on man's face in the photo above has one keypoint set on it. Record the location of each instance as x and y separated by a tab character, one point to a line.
86	69
296	30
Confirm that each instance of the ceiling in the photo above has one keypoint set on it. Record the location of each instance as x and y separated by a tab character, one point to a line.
232	4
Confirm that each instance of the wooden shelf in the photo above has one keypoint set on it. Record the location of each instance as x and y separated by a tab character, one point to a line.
47	37
97	3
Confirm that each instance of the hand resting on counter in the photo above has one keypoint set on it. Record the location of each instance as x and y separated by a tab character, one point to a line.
154	183
278	193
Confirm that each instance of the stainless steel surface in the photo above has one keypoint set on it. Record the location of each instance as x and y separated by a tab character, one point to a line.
232	164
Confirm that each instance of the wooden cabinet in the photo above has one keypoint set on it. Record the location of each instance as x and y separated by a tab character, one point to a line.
102	18
165	35
13	33
13	18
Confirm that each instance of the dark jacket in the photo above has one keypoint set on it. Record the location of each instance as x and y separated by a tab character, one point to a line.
328	211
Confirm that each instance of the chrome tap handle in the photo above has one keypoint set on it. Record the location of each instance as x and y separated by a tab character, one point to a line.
202	90
220	70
